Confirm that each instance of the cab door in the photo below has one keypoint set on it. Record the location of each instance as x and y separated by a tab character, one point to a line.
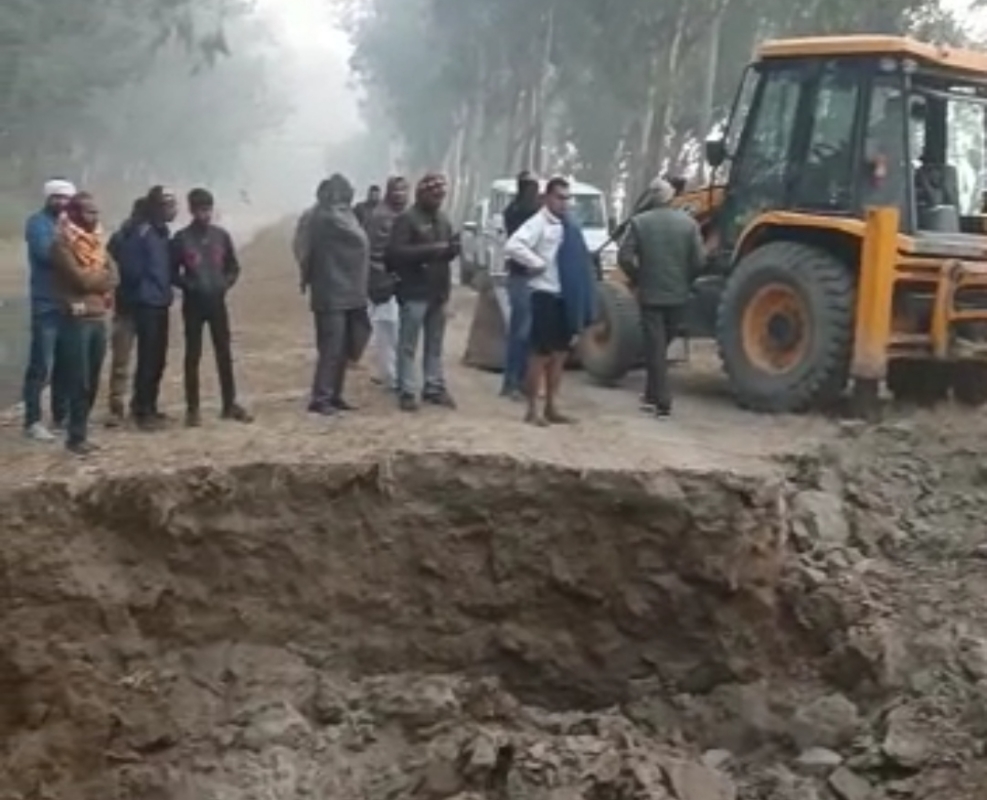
761	166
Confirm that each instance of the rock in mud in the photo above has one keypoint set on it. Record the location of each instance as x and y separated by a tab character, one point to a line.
829	722
818	520
847	785
692	781
972	655
905	744
277	725
819	761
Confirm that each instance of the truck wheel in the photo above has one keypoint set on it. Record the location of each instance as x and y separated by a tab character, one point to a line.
611	347
785	328
921	383
969	381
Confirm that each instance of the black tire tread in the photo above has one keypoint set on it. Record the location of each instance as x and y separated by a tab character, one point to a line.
610	364
824	384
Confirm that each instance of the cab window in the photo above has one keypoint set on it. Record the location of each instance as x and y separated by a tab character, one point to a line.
827	174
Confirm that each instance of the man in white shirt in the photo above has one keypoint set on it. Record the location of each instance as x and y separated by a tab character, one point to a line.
535	247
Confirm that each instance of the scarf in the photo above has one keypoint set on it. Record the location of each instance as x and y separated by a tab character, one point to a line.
87	246
576	277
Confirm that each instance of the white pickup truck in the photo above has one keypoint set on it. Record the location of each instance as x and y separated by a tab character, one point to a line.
484	235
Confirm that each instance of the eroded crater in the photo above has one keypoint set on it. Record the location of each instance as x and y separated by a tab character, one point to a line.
423	626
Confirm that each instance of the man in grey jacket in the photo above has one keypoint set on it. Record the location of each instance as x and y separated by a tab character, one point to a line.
661	253
335	269
300	241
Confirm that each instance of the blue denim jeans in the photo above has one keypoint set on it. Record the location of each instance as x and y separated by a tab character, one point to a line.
518	333
83	343
420	319
45	367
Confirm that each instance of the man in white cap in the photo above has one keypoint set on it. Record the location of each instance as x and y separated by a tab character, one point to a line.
46	313
661	254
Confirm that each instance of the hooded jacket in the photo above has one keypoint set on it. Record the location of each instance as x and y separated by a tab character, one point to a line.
337	262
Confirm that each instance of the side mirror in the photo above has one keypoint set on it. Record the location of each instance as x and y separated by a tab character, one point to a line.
470	227
716	152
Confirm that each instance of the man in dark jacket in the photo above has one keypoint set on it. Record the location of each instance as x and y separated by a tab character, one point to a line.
204	266
148	275
661	253
336	270
365	209
123	327
383	304
420	252
524	205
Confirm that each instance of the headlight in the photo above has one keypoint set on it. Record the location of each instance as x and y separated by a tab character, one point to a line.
608	259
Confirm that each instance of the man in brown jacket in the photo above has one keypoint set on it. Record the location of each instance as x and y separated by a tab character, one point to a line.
85	278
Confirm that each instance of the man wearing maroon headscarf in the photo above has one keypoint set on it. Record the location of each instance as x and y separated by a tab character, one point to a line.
421	249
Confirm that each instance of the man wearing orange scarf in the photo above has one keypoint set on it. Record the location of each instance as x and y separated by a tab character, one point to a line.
85	278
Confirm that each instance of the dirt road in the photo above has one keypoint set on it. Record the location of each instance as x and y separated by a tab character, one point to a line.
273	343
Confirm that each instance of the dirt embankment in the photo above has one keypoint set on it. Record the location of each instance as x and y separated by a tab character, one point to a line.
440	626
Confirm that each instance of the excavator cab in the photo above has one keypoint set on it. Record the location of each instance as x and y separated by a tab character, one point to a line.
846	233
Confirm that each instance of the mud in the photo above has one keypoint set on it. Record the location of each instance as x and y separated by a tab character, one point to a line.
439	626
156	620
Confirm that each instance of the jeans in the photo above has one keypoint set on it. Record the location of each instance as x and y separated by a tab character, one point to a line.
659	327
151	324
83	342
45	367
418	318
197	313
339	335
122	340
518	332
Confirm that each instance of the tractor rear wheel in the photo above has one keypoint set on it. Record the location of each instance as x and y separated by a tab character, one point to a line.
785	328
611	347
969	381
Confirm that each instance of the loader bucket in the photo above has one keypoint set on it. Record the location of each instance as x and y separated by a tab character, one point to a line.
486	346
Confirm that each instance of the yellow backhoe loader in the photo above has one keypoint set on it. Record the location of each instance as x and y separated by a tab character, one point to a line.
845	227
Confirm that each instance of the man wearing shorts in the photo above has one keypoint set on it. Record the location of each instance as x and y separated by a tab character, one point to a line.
535	248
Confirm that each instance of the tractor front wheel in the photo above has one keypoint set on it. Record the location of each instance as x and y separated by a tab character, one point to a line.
611	347
785	328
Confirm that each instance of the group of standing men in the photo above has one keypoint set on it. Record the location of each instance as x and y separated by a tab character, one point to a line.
382	266
661	252
79	277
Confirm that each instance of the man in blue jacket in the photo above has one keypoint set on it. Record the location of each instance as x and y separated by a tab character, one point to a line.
42	367
147	274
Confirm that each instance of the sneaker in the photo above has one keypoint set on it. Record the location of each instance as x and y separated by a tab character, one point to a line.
341	405
193	419
663	412
407	402
236	413
441	399
82	449
39	433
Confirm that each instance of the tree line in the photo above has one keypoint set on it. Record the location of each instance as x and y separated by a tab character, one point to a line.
123	93
611	90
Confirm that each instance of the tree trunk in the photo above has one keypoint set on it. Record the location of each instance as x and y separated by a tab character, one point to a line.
709	84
